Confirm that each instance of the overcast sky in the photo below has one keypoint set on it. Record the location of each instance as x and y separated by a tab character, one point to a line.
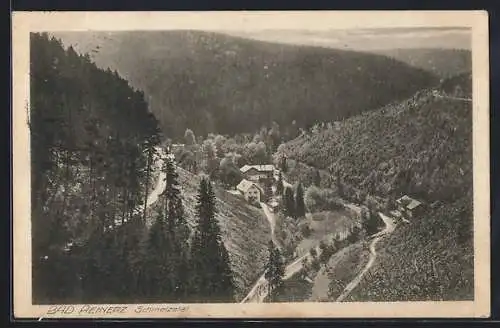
368	39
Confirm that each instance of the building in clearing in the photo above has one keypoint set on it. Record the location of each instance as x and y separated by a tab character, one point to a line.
250	190
257	172
409	207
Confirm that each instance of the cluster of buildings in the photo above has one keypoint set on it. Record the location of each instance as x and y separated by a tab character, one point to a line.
407	208
253	178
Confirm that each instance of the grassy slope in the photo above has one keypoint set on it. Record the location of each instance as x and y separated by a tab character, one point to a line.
213	82
245	230
325	225
340	270
428	140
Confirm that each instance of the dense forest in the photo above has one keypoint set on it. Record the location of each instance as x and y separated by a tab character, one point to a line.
409	146
94	146
212	82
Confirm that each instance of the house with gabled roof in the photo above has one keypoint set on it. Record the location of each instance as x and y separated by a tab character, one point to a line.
257	172
250	190
409	207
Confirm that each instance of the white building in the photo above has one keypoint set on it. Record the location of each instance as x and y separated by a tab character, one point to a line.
250	190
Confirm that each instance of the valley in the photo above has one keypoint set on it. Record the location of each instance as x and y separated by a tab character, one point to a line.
187	171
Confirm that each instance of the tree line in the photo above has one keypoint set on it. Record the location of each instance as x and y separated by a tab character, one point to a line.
293	204
93	149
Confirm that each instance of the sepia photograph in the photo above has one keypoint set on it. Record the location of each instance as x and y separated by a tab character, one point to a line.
251	164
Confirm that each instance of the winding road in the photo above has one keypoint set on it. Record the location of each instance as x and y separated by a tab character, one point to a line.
453	98
389	228
260	289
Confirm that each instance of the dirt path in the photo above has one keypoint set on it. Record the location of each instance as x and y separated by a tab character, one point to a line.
272	223
259	291
389	228
160	183
454	98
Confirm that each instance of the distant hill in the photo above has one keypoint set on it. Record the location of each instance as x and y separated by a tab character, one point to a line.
421	147
245	229
442	62
212	82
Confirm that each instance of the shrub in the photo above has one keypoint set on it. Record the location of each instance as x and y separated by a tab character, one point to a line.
305	230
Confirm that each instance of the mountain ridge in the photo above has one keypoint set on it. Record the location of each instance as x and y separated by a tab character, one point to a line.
212	82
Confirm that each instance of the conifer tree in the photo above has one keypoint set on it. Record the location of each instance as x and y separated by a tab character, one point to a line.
317	179
283	164
177	231
156	262
300	207
150	151
288	202
340	186
275	271
279	184
212	278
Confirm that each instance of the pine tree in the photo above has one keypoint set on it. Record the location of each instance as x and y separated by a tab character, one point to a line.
149	148
340	186
177	231
275	270
212	278
283	164
156	281
279	184
300	207
317	179
288	202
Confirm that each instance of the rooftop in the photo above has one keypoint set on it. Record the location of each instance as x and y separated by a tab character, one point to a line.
408	202
260	168
244	185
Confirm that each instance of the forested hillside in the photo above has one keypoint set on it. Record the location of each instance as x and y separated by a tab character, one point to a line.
212	82
421	147
95	150
444	63
91	137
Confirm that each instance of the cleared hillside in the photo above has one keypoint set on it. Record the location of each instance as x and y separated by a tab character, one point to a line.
245	229
421	147
442	62
212	82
